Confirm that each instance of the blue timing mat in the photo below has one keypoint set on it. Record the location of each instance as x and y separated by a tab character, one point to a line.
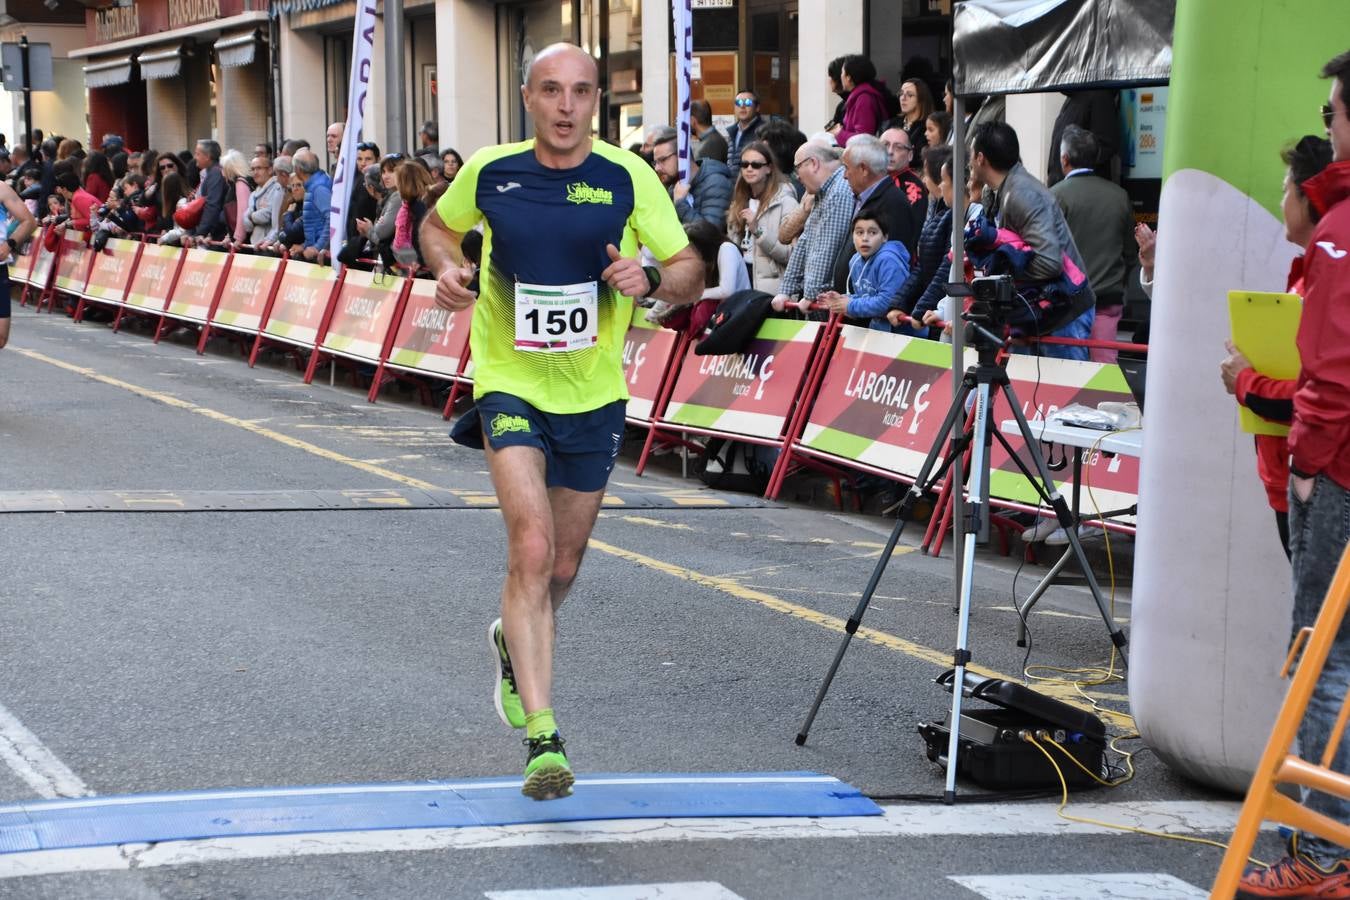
147	818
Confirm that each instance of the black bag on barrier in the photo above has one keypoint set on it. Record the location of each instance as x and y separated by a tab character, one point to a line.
734	324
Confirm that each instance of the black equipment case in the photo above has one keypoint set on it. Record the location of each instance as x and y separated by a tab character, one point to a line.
991	752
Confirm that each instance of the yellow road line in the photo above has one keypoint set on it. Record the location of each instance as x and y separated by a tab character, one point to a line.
294	443
1064	692
1060	691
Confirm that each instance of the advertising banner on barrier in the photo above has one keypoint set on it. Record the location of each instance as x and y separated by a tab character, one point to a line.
73	264
365	308
42	266
301	302
246	291
646	352
197	283
22	270
884	397
748	393
154	277
429	339
112	270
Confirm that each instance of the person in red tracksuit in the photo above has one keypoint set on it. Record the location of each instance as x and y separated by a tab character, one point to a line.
1273	398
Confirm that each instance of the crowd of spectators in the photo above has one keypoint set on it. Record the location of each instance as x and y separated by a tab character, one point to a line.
258	201
857	217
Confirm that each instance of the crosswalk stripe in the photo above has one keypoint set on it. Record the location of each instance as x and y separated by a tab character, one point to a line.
1103	886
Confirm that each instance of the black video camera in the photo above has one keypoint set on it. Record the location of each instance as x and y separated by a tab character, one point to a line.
993	302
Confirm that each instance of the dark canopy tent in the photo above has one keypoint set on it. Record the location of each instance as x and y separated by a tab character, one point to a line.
1020	46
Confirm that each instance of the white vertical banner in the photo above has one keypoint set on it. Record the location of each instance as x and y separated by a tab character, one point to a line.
363	46
682	12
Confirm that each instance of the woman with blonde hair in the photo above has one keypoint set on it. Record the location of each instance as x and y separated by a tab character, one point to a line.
762	197
239	188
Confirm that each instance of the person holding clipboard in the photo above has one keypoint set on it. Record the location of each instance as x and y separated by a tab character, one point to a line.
1272	399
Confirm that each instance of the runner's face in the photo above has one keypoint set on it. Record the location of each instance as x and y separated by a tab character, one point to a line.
561	98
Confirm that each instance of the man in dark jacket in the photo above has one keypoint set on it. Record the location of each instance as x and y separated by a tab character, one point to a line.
706	140
212	225
875	195
748	121
1101	219
1015	200
1319	493
707	193
900	166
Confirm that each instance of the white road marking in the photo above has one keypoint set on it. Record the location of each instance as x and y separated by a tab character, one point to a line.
1013	819
30	759
1105	886
675	890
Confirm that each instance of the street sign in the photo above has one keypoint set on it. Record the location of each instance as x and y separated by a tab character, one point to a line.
39	67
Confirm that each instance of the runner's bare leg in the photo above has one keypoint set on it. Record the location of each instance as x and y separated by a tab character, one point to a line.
545	543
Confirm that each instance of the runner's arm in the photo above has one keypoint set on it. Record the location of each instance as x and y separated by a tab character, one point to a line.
443	253
19	212
682	278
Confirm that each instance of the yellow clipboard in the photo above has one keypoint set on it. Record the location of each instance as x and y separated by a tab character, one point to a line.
1265	328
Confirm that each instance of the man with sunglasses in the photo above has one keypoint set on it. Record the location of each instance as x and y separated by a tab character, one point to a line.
1319	495
748	121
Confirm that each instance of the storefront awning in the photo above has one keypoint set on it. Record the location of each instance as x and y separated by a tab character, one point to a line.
237	49
107	72
297	6
161	63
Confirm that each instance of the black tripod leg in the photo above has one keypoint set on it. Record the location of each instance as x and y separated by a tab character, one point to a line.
922	484
1066	522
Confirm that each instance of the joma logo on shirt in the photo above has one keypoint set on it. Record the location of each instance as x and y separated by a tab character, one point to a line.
504	424
581	192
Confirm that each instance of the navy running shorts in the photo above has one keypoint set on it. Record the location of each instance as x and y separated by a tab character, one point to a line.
579	448
4	292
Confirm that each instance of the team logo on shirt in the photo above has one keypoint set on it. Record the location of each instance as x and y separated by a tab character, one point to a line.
581	192
505	424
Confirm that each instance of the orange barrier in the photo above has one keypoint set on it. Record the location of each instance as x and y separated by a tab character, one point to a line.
40	276
358	325
427	340
244	297
748	396
202	275
110	275
1279	765
297	308
152	283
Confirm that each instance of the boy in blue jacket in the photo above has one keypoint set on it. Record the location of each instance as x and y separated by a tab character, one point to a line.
875	274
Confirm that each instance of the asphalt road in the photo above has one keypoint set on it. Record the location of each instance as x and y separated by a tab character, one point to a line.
168	645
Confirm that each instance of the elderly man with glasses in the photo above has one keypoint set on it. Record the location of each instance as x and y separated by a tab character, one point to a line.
810	269
900	166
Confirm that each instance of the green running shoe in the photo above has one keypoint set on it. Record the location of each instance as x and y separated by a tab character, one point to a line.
547	774
505	697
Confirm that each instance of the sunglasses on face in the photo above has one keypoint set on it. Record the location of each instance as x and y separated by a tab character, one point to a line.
745	101
754	165
1327	115
165	166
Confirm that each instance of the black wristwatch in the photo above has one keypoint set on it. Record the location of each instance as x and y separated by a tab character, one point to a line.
653	278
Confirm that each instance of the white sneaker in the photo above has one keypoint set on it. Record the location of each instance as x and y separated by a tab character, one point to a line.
1040	531
1060	538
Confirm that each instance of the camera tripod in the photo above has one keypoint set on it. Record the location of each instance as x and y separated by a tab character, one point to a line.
980	380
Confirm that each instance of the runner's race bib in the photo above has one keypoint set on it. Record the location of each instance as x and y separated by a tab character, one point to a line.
553	318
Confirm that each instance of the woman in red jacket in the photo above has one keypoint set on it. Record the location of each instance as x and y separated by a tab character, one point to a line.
1273	398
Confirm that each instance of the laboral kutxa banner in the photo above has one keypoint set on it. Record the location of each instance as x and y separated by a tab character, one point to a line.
749	393
884	397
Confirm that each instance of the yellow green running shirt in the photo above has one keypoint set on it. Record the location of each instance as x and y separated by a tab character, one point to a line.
546	230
